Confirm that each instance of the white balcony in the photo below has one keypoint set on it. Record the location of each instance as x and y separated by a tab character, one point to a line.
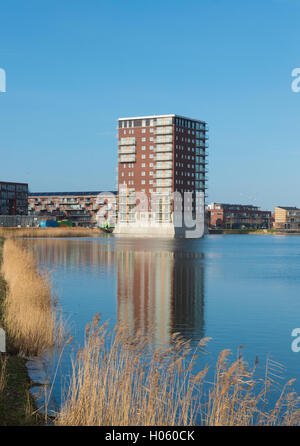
128	149
129	140
164	121
163	174
164	165
162	147
164	130
160	139
164	156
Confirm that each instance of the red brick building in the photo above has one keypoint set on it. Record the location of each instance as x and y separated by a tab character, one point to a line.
158	156
238	216
79	207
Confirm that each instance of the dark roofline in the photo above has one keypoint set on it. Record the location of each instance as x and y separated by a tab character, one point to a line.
13	182
60	194
289	208
241	205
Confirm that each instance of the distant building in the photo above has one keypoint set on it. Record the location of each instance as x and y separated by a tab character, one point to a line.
238	216
287	218
159	156
79	207
13	198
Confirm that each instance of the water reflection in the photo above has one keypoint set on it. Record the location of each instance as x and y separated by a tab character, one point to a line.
161	290
158	285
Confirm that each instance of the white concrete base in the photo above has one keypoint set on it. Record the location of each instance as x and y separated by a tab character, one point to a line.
145	229
153	229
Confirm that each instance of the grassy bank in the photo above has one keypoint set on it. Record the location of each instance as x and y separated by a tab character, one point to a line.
17	407
50	232
115	384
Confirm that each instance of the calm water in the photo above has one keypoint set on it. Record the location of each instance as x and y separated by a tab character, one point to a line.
236	289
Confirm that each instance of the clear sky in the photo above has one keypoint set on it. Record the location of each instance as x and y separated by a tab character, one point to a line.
74	67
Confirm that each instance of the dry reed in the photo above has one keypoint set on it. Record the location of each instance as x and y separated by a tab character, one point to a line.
49	232
115	383
29	315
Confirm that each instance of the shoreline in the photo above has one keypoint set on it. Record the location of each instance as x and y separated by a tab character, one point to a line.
249	232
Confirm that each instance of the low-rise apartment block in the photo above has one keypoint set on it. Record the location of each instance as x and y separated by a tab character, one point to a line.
82	208
287	218
13	198
238	216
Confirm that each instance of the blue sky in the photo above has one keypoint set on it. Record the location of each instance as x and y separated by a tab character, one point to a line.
73	67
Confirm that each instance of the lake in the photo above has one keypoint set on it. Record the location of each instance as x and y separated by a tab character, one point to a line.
236	289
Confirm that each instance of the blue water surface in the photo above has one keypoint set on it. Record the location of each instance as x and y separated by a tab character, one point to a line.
239	290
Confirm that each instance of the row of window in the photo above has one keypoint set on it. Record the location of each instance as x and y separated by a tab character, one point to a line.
14	187
196	134
129	123
189	124
182	122
13	195
197	142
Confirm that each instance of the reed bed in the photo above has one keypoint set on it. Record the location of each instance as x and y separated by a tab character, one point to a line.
30	318
116	381
49	232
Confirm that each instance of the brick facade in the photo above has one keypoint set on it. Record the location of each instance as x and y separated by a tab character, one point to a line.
13	198
79	207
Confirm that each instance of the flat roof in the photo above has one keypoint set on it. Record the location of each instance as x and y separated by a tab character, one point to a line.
13	182
60	194
288	208
161	116
237	204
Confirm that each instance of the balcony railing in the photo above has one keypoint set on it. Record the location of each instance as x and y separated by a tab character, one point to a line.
130	140
164	156
164	121
128	149
163	147
163	174
161	139
164	165
164	130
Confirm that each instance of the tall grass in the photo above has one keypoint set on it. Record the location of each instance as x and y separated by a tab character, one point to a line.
116	383
49	232
29	314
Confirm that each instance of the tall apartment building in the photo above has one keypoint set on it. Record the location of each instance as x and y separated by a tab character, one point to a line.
162	165
13	198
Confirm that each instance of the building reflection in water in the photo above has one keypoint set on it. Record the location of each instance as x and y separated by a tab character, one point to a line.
160	285
161	292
